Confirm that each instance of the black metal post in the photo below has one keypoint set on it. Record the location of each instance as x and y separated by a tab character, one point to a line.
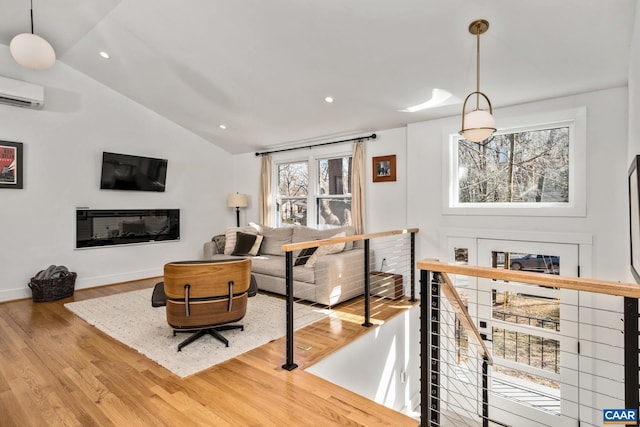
485	391
413	267
434	350
429	349
367	287
425	367
289	366
631	376
237	216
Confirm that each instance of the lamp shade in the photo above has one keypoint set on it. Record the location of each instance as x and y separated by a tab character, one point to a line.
478	126
237	200
32	51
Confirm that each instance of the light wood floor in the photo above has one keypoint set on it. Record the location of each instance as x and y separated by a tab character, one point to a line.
56	370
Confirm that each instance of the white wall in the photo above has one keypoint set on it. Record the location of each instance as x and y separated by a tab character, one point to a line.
63	145
382	365
606	217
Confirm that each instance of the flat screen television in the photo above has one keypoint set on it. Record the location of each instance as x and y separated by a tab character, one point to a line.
127	172
634	216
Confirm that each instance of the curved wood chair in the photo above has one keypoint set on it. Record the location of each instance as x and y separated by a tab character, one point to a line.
206	297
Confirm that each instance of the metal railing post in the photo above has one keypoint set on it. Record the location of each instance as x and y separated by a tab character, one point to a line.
290	365
631	376
485	391
434	349
429	349
425	362
367	286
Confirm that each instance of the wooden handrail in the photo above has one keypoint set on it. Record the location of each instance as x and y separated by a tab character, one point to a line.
356	238
547	280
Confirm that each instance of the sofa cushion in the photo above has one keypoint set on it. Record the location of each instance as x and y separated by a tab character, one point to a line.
326	250
230	237
330	232
247	244
274	238
273	265
304	256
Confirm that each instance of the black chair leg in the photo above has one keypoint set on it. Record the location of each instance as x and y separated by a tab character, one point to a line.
214	332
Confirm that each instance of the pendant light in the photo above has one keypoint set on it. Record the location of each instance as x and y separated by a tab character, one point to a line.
478	124
32	51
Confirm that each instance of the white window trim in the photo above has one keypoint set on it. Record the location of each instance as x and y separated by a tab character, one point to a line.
312	159
575	207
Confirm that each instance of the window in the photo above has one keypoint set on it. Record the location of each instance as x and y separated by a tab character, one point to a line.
293	188
324	201
521	170
333	201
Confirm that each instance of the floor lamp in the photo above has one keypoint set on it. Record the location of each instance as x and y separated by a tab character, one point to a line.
237	201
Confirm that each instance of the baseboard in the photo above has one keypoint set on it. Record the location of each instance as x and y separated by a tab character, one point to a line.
85	283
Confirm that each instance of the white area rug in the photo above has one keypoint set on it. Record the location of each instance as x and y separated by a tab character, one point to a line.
130	319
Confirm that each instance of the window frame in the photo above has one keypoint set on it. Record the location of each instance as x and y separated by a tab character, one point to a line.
312	159
575	119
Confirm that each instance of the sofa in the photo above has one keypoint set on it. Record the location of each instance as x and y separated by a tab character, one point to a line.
326	275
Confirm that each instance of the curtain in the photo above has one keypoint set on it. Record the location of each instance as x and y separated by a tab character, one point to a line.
264	215
357	188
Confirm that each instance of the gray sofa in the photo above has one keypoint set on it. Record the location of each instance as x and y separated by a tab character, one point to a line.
333	277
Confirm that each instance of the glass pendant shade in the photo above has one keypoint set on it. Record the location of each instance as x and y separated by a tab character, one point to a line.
478	126
32	51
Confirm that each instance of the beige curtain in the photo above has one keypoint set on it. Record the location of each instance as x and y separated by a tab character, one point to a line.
357	188
264	215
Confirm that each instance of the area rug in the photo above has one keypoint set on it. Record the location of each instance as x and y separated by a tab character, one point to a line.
129	318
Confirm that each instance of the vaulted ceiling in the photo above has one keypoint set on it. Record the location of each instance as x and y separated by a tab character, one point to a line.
263	67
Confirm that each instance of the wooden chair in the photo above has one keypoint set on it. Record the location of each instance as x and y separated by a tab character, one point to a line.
206	297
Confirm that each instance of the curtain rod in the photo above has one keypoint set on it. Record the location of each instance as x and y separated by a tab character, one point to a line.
362	138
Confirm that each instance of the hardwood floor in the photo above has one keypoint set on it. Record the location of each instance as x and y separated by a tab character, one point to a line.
57	370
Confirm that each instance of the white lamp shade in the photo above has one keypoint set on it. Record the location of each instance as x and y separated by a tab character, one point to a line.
32	51
237	200
478	126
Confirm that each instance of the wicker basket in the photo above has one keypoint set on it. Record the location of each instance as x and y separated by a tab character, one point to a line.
44	290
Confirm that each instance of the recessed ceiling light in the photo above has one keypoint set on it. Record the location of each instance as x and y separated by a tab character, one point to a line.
104	54
222	126
328	99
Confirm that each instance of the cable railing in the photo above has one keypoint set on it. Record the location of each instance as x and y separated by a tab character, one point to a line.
386	260
603	368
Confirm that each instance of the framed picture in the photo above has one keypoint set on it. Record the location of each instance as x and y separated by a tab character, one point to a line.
10	164
384	168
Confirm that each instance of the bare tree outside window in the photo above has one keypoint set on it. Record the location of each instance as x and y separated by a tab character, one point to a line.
334	191
293	188
520	167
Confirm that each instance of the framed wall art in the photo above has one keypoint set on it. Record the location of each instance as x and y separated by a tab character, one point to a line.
384	168
10	164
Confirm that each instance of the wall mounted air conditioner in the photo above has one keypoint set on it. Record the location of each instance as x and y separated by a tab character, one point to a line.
21	94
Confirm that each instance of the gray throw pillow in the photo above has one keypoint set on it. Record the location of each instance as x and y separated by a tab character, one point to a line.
274	238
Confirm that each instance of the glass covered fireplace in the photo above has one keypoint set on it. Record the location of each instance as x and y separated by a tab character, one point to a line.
124	226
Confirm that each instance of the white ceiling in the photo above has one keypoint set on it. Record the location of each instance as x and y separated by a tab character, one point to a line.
263	68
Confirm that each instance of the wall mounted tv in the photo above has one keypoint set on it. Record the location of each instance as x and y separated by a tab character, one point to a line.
127	172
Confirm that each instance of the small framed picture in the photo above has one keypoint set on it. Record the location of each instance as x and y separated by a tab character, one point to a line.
10	164
384	168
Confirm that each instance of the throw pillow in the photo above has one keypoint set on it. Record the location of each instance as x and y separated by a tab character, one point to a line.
230	237
246	244
304	256
274	238
326	250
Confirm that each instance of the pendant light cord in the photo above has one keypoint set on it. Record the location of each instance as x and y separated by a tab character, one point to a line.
31	16
477	66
